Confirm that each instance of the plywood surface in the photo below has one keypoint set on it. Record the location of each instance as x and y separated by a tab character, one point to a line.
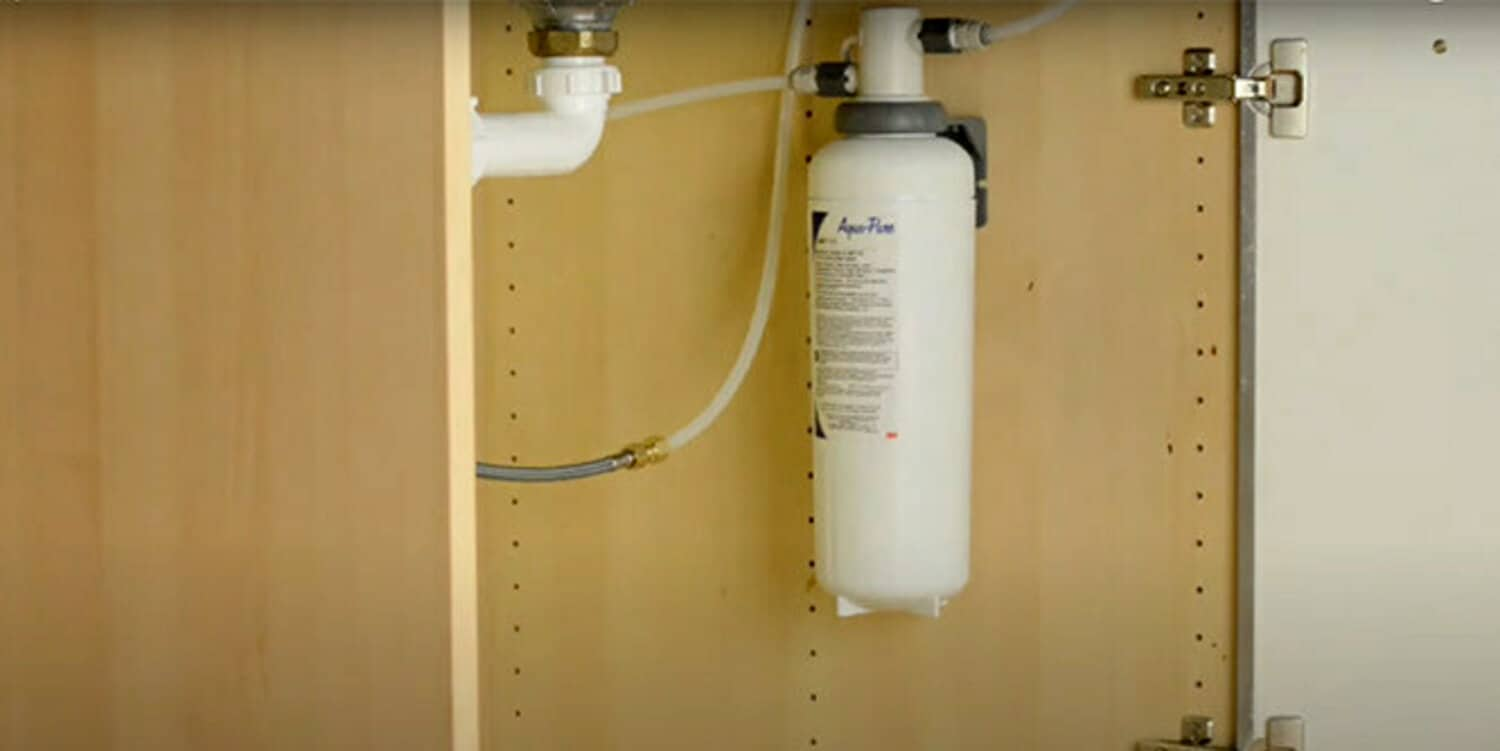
675	608
224	438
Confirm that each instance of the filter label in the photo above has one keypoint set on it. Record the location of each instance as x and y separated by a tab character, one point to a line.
855	265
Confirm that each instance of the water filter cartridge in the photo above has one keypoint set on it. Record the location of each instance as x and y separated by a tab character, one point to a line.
892	249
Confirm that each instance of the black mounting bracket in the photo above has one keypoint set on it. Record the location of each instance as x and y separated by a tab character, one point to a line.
972	134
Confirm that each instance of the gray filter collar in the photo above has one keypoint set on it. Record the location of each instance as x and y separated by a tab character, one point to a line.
889	118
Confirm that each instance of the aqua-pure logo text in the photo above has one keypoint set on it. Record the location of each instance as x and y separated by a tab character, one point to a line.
872	226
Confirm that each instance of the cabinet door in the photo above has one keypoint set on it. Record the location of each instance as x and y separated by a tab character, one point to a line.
1372	525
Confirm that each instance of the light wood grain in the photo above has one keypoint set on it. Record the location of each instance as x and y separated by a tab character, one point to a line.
224	349
674	608
458	281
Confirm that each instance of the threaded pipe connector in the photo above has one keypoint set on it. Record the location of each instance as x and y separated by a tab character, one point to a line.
572	43
648	452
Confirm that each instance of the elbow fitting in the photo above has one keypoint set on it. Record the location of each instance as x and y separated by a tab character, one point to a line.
559	140
535	144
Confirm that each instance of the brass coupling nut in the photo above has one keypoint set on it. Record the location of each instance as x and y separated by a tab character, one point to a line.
649	452
572	43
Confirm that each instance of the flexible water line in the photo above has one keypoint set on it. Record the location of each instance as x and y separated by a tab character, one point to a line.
562	473
694	96
1028	24
772	263
653	451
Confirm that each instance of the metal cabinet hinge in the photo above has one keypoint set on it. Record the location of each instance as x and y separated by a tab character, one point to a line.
1279	89
1285	733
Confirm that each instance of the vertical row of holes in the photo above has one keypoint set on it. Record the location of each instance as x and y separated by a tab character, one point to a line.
812	562
515	503
515	500
1200	308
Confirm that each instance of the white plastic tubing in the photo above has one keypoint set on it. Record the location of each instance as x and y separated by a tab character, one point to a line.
767	293
993	34
694	96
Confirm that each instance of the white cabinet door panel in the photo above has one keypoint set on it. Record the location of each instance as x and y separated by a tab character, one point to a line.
1376	382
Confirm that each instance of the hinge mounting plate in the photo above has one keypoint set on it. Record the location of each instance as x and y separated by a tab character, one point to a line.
1283	733
1279	89
1197	734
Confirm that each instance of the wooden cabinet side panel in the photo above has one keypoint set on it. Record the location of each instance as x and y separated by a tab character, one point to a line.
225	510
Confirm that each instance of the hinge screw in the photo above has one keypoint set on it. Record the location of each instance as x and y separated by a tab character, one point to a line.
1197	730
1198	114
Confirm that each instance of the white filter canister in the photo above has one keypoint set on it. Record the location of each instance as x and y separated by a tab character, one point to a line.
892	267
